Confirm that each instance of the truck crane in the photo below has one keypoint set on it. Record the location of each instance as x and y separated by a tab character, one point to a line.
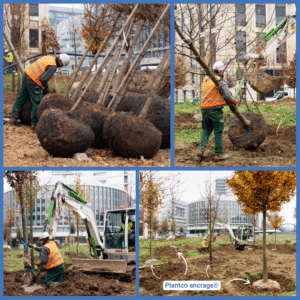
244	237
114	252
254	61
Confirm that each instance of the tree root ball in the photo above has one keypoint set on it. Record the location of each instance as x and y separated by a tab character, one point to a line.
54	101
248	138
159	116
94	115
130	136
25	113
62	135
93	97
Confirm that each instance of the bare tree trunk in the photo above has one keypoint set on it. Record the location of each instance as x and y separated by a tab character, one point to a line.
113	67
275	238
24	220
127	79
254	233
126	61
210	233
30	219
77	225
156	85
209	73
13	80
104	61
68	88
88	71
265	268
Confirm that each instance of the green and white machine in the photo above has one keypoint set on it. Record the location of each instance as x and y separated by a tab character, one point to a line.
115	252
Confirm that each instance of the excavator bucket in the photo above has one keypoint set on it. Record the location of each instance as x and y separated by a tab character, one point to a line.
263	83
97	265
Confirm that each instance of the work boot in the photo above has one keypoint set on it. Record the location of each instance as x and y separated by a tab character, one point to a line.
200	156
221	156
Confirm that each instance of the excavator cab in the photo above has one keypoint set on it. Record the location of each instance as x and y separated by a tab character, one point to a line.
245	232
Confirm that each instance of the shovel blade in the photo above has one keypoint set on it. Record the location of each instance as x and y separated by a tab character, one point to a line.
263	83
97	265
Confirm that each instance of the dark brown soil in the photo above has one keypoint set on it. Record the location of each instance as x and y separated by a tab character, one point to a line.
227	264
54	101
75	284
22	148
248	138
276	150
130	136
62	135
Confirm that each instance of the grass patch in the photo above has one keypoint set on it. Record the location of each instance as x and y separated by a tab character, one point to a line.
186	107
188	135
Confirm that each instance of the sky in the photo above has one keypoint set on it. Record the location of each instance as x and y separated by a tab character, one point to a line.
79	6
194	181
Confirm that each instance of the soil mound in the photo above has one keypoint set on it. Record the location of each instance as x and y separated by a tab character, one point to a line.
248	138
94	116
54	101
130	136
62	135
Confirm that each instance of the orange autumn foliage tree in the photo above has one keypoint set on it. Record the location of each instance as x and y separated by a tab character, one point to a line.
262	191
276	221
151	195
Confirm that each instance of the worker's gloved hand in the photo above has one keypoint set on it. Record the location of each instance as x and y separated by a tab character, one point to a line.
31	246
46	90
235	101
38	264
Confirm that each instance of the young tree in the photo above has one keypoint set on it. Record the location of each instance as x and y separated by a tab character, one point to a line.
276	221
181	230
173	226
262	191
164	225
17	180
155	224
150	196
9	223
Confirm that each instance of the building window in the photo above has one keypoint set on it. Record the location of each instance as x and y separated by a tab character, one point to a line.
184	96
193	79
240	19
241	43
192	23
212	15
33	10
125	179
33	38
260	11
280	13
281	54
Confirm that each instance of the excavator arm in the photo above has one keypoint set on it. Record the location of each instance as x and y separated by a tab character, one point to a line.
64	195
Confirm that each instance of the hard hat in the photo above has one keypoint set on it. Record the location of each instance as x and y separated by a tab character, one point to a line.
219	66
64	58
205	238
6	50
45	235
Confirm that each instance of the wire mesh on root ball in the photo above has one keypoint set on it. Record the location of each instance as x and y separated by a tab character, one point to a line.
25	113
93	115
62	135
248	138
130	136
54	101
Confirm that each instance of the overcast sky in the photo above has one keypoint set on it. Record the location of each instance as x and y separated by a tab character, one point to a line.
190	191
70	6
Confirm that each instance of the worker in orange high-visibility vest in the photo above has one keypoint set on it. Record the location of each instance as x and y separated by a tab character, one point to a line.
51	259
212	103
204	245
35	84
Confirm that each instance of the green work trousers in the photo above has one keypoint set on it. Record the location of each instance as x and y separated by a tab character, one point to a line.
55	275
212	120
29	90
9	71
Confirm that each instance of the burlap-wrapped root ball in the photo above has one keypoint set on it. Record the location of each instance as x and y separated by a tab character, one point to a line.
248	138
25	113
62	135
130	136
54	101
93	115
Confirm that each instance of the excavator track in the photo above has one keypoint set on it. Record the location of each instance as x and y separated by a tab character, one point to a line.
130	273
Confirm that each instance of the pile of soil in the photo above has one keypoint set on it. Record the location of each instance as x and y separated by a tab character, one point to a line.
75	284
227	264
276	150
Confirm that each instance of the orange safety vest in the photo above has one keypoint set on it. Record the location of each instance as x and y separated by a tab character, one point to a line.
38	68
54	257
211	96
204	245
